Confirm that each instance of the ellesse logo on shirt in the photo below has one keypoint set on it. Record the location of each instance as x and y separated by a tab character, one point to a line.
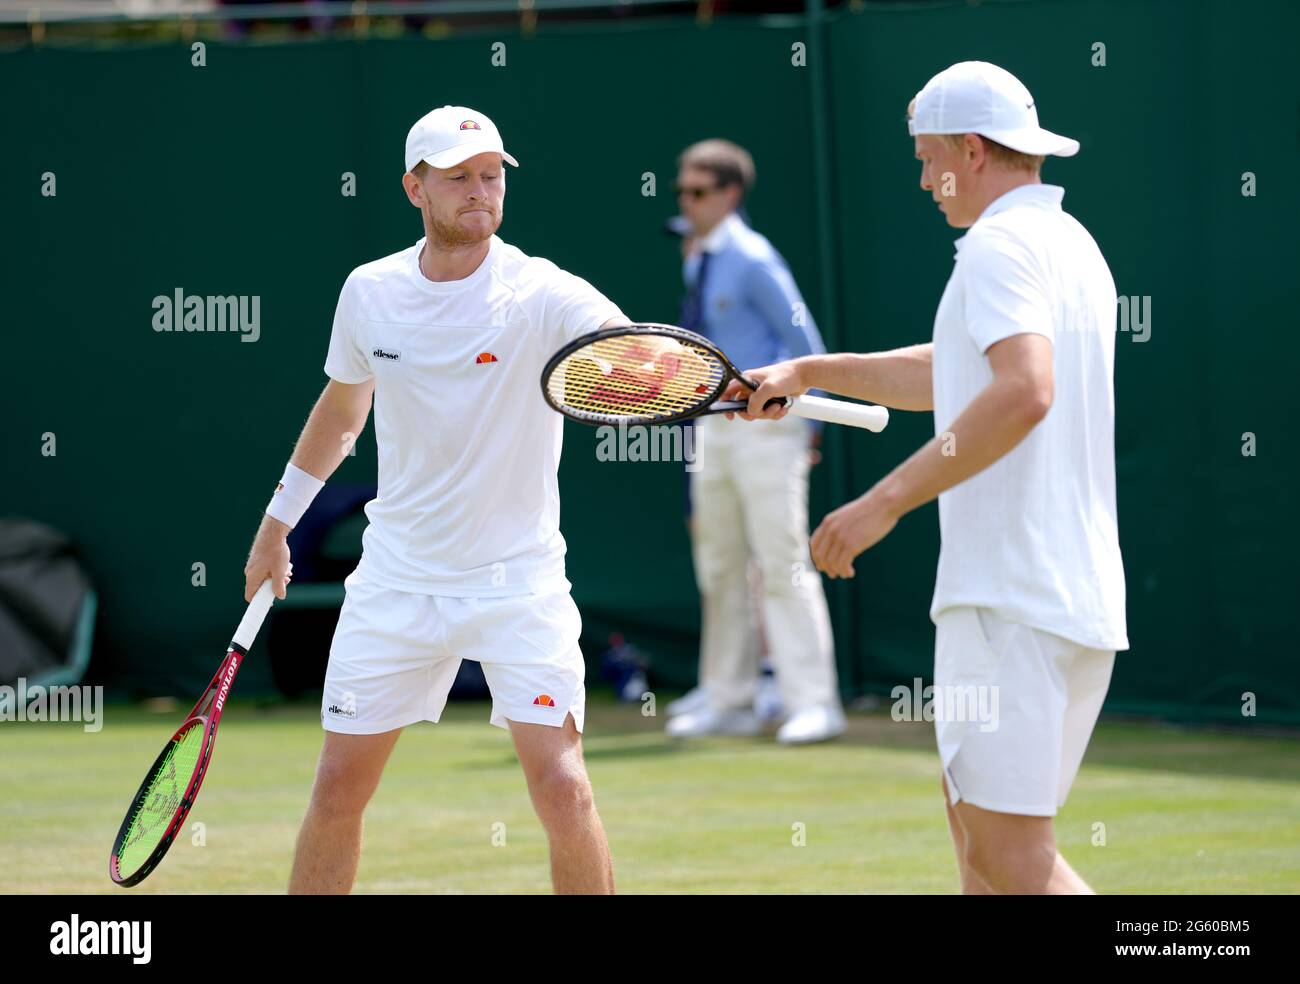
484	358
391	355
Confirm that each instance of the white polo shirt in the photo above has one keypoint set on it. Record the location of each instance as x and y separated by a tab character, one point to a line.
468	502
1034	536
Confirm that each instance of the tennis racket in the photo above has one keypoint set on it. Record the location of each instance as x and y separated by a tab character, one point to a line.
171	785
635	375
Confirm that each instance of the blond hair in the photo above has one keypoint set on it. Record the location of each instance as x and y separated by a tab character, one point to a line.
1001	155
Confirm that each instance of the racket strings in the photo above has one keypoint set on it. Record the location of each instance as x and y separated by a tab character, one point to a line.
642	377
158	803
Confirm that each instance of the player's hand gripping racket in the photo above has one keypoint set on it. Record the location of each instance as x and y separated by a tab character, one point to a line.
657	374
171	785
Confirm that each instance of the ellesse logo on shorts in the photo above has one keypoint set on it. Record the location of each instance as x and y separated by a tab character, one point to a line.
347	707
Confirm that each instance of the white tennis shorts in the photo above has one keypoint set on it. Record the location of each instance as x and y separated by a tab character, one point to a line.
1014	708
395	655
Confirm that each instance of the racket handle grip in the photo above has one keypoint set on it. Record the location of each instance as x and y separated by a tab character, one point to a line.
872	418
255	615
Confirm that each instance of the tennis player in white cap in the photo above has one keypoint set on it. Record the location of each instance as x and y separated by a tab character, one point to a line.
1029	598
463	557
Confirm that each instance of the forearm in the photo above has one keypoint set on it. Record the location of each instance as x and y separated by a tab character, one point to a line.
899	378
327	437
994	423
332	428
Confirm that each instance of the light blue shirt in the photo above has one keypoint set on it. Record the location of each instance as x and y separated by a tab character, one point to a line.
751	306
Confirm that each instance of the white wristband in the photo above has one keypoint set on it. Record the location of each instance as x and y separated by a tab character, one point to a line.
293	495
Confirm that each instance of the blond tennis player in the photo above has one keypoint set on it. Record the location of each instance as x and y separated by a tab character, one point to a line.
463	557
1029	598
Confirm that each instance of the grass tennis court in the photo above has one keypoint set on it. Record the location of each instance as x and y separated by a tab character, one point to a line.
1184	810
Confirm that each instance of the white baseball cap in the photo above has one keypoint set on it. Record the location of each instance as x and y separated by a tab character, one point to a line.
445	137
976	97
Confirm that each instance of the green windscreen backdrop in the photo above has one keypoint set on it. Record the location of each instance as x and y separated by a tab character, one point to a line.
227	179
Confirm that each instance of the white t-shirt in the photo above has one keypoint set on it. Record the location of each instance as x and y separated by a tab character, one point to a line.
468	502
1034	536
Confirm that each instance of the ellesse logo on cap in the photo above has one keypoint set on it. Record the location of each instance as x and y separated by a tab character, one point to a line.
470	125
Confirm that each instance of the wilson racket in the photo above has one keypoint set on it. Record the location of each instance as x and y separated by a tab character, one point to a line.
657	374
171	785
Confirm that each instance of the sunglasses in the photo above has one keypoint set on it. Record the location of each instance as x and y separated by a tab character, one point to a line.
696	191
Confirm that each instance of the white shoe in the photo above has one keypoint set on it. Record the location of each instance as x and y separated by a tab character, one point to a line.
742	723
689	702
810	725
